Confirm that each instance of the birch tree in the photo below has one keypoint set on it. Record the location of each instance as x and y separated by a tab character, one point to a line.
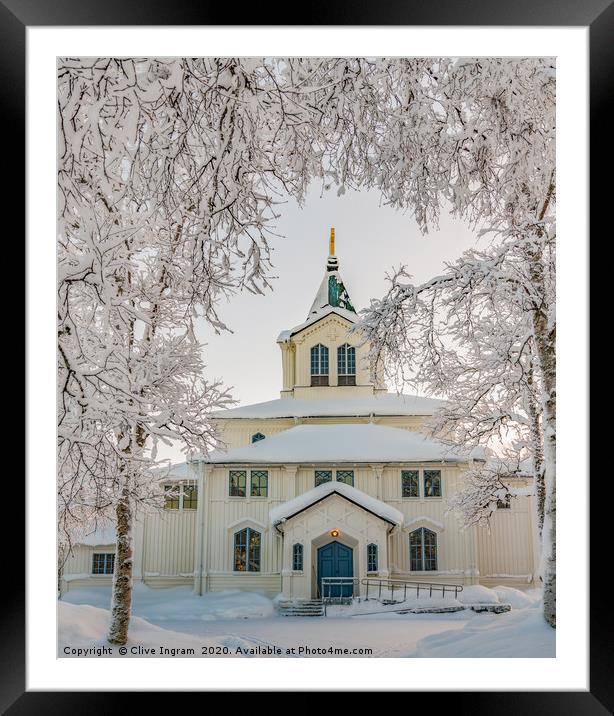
170	172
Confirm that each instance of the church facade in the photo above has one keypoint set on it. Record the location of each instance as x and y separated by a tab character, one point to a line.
333	479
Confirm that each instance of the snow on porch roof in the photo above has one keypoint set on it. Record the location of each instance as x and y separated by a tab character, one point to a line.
382	404
340	443
285	511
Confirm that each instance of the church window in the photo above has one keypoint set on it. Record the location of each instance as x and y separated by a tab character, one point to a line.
247	550
237	483
259	483
423	550
190	495
171	497
319	365
103	563
323	476
432	483
180	496
346	476
257	436
371	557
410	485
346	365
297	557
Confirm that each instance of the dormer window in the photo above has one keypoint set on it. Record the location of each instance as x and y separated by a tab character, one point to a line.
346	365
319	365
257	436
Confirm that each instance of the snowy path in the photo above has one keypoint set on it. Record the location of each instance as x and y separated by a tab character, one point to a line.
391	637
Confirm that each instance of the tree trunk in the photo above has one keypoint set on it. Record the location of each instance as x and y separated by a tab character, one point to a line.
545	340
537	449
121	603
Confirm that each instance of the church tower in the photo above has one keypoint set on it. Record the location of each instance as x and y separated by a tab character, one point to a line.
321	357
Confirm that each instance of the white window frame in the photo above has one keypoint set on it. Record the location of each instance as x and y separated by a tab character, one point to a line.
181	494
423	486
106	555
422	496
423	551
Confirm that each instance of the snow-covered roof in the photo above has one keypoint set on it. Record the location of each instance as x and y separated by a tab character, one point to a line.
348	443
101	535
316	316
379	404
286	510
176	471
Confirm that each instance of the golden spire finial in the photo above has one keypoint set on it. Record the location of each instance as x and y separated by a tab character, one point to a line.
331	251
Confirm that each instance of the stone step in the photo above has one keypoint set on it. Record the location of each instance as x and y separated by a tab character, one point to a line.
300	604
300	608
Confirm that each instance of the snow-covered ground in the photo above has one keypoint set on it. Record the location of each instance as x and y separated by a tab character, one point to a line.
237	623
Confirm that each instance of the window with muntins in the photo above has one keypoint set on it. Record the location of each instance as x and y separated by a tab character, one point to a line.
346	476
257	436
171	497
423	550
247	550
371	558
190	497
346	365
103	563
319	365
504	504
410	483
259	483
297	557
432	483
181	496
323	476
237	483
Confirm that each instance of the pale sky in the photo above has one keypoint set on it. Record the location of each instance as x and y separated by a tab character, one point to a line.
369	239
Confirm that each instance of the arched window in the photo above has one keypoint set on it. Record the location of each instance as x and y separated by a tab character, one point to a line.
319	365
371	557
257	436
423	550
346	365
297	557
247	550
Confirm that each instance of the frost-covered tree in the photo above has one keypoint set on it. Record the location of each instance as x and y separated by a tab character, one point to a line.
163	199
169	173
469	334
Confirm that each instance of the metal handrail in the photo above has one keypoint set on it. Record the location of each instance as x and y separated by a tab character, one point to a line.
337	582
392	584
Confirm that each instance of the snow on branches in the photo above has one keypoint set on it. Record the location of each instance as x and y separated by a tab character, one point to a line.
170	171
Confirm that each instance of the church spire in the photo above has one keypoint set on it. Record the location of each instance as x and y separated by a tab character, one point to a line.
332	292
332	263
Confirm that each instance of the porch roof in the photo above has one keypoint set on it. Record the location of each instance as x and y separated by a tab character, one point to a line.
380	509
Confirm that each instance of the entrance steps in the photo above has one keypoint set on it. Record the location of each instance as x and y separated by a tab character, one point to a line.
300	608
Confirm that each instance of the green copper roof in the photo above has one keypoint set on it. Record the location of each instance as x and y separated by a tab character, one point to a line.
337	293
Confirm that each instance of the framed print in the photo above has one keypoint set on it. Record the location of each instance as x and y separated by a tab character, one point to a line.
300	399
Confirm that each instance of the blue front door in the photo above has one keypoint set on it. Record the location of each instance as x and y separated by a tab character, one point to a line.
335	560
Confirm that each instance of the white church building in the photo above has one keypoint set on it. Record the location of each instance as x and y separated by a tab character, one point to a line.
332	479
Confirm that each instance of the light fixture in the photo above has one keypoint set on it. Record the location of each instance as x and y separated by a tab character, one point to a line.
334	533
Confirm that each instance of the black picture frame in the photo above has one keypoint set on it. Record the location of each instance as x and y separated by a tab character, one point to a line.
17	15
